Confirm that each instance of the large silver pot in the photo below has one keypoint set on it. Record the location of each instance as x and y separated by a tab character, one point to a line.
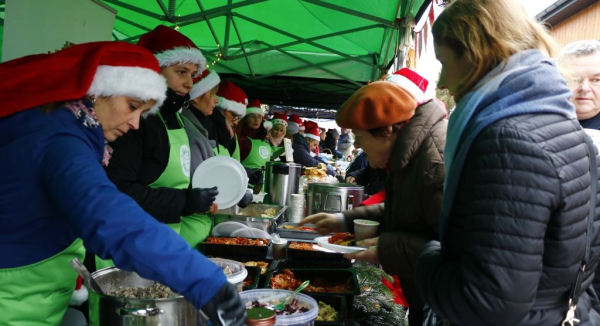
332	197
281	180
114	311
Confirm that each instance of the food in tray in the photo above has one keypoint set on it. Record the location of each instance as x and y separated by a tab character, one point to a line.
248	280
320	171
156	291
342	239
303	245
291	308
298	228
287	281
326	312
269	212
237	241
262	264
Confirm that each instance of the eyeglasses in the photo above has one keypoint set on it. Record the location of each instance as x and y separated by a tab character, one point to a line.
236	117
592	81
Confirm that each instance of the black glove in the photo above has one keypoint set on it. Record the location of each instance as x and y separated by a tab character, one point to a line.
199	200
227	305
246	200
255	176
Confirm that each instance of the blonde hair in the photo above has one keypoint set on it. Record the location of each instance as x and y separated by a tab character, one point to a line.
488	32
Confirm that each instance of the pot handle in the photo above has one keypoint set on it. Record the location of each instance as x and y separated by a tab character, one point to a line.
140	312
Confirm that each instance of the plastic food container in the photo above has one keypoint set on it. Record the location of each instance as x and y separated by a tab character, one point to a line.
225	250
238	271
274	297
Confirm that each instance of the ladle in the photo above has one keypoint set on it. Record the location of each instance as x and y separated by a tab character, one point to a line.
85	274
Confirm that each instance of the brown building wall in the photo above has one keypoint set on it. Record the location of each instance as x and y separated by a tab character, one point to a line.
583	26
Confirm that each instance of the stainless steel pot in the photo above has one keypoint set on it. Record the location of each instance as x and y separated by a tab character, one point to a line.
281	180
114	311
332	197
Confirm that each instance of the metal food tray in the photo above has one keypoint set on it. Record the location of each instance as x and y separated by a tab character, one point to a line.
251	216
296	234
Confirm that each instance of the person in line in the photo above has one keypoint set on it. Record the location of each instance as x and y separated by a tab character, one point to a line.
580	61
514	229
345	142
407	141
255	150
54	134
303	146
222	123
152	164
331	138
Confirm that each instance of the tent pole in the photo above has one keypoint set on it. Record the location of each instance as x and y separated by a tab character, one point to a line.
237	32
341	54
210	27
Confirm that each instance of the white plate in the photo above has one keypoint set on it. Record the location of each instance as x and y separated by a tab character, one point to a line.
250	233
225	173
225	229
324	242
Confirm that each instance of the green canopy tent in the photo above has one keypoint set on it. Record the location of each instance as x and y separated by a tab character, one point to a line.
307	53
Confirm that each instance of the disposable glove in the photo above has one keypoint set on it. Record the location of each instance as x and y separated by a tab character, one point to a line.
226	307
199	200
246	200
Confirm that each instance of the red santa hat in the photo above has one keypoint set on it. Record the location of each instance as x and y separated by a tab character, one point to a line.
412	82
294	118
99	68
254	107
280	119
172	48
204	83
313	133
80	294
232	98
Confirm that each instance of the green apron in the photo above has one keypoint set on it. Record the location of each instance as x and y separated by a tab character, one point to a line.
193	228
38	294
221	150
260	154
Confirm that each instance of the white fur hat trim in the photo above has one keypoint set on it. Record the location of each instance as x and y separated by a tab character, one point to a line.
144	84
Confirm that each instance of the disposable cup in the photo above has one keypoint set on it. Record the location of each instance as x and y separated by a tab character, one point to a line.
365	229
279	248
296	198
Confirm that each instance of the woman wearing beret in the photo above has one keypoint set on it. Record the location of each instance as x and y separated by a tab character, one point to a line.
407	140
53	139
519	238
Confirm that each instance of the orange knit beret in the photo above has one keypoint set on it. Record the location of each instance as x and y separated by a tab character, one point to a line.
378	104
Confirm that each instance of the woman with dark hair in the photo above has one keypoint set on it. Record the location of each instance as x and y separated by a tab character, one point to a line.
255	150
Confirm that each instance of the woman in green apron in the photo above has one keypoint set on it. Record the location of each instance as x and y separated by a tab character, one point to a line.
255	150
277	132
153	164
53	140
221	124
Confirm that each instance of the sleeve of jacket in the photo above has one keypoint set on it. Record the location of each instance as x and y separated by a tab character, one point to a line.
373	212
505	196
112	225
164	204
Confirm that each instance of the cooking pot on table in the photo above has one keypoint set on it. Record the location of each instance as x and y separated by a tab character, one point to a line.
114	311
332	197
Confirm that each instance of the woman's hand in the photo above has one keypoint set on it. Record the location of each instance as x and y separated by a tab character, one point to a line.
370	255
350	179
324	223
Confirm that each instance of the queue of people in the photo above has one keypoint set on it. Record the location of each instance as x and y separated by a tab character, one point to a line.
488	216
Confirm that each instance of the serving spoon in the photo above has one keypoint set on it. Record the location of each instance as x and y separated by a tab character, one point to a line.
281	306
85	274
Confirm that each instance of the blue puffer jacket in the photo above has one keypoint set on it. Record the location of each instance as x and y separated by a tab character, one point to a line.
53	190
517	230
